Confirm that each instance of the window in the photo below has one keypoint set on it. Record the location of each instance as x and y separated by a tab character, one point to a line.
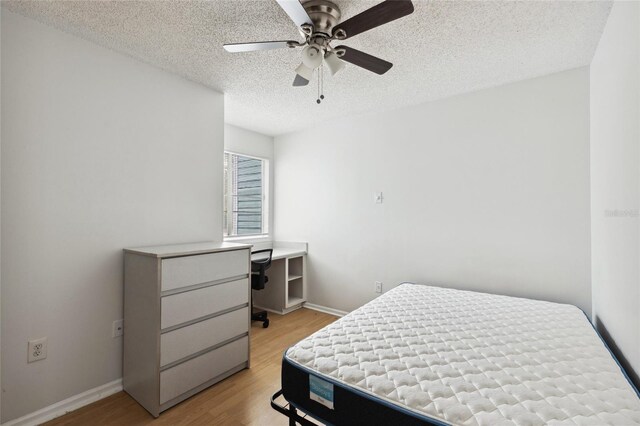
245	201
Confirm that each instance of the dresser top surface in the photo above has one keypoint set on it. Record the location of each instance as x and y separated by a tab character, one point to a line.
174	250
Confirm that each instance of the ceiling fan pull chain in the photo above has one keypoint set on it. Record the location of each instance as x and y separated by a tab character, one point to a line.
322	82
318	100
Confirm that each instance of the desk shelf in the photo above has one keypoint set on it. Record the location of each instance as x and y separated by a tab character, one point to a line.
295	292
286	290
295	267
293	301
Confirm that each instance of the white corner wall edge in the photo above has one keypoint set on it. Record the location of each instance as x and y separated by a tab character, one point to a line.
324	309
66	406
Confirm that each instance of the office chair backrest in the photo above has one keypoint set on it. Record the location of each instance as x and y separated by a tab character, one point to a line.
260	262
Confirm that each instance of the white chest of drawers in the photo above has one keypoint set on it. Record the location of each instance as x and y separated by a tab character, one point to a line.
187	319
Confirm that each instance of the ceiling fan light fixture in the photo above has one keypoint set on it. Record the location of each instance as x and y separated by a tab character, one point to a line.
312	56
304	72
334	63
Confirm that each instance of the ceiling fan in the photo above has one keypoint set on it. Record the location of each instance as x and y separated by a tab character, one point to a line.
319	23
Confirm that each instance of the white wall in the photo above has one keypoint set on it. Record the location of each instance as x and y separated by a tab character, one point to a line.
487	191
615	179
243	141
99	152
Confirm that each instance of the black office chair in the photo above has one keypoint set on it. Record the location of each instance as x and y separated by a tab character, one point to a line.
260	262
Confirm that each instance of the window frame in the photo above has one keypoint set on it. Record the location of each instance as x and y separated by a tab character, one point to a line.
265	199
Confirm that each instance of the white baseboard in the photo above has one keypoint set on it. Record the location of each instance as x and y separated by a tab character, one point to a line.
70	404
324	309
262	308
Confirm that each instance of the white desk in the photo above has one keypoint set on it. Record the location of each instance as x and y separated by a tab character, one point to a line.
281	253
286	290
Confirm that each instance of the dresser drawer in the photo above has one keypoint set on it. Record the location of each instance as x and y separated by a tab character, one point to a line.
194	304
188	340
186	376
190	270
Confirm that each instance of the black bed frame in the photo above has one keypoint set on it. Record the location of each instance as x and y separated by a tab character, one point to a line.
289	411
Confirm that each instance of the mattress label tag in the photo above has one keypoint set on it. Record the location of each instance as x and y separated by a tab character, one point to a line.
321	391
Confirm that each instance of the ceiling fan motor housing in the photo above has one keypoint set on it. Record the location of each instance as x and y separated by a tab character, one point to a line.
324	14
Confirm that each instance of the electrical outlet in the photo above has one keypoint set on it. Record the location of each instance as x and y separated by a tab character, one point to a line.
37	349
378	287
117	328
378	197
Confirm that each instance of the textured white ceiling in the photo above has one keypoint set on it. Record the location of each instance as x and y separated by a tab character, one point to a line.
444	48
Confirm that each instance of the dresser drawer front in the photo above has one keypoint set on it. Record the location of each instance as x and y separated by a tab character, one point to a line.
183	377
190	305
188	340
180	272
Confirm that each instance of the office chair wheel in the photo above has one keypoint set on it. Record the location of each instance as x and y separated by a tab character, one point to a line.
265	323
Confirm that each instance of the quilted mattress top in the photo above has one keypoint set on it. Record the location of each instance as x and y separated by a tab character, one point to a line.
467	358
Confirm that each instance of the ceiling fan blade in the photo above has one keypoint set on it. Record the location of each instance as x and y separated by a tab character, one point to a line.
380	14
296	12
300	81
258	45
364	60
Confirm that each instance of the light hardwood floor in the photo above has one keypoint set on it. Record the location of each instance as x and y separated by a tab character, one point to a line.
242	399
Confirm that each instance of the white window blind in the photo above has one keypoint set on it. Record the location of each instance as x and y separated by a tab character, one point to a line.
244	195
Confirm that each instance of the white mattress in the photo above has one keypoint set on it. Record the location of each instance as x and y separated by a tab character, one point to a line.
467	358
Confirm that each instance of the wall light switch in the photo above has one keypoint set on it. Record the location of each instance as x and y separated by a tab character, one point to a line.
378	197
